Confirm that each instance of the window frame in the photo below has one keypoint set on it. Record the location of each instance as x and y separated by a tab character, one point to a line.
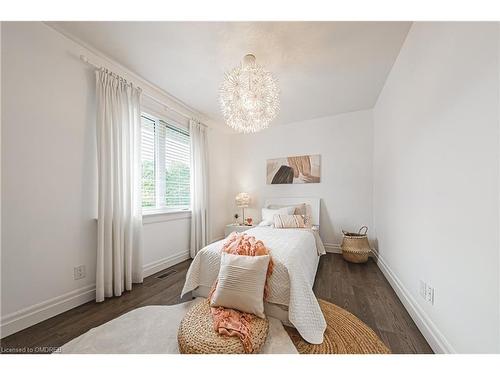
158	211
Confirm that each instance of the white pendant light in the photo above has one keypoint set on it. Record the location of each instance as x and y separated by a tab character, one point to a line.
249	97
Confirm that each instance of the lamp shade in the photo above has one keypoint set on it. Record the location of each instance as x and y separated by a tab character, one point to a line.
242	200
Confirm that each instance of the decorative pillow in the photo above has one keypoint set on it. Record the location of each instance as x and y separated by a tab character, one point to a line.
241	283
268	214
303	209
289	221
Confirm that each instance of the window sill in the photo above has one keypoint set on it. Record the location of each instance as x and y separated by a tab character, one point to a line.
151	212
150	217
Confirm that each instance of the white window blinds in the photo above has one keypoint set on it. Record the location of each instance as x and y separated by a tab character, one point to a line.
165	165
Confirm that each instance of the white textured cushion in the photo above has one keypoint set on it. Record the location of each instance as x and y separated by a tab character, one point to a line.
289	221
303	209
241	283
268	214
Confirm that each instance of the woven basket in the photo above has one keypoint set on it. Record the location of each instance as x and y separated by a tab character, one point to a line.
355	246
196	334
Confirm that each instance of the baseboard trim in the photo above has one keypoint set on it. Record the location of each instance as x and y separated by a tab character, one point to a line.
39	312
332	248
160	265
434	337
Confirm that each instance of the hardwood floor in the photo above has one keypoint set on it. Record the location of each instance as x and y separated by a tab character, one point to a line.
62	328
359	288
363	290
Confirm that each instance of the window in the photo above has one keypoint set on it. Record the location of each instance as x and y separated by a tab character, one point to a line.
165	165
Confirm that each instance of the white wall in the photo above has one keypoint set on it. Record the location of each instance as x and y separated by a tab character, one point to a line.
49	200
345	144
436	170
48	168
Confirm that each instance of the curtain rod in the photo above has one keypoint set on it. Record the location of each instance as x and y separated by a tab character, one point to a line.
189	117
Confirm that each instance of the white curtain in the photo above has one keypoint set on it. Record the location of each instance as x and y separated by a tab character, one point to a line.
119	242
199	186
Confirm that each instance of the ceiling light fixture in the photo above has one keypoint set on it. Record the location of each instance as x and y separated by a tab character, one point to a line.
249	97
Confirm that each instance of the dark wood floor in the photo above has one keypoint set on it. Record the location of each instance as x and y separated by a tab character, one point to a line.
359	288
363	290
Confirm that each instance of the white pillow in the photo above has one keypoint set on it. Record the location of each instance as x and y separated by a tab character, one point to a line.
241	283
298	207
264	223
268	214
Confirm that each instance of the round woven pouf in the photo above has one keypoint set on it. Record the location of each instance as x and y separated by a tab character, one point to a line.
345	334
197	335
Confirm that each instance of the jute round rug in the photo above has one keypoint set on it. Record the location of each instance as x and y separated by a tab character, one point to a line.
344	334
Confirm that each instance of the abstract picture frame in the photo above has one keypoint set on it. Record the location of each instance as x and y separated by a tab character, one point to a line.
302	169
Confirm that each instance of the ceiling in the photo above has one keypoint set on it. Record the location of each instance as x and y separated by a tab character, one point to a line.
323	68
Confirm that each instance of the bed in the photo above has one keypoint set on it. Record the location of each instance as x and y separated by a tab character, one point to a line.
296	254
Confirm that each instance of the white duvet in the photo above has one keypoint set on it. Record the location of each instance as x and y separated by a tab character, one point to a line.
296	254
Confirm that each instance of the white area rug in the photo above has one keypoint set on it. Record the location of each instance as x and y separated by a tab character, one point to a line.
153	330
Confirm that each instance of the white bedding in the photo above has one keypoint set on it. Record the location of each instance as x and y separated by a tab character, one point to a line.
295	254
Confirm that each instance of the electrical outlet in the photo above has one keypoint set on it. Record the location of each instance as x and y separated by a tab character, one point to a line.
429	294
79	272
426	292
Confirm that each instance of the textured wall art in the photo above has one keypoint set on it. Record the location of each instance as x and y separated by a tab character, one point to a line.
294	170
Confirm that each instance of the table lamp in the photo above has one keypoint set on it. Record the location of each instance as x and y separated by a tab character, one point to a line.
242	201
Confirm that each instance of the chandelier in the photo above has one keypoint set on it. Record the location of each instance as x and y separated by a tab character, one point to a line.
249	97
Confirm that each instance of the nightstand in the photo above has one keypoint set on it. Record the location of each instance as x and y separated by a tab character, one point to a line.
236	228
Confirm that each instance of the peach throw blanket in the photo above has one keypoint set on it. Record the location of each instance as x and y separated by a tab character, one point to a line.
229	322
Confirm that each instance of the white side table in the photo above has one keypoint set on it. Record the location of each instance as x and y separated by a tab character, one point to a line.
236	228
